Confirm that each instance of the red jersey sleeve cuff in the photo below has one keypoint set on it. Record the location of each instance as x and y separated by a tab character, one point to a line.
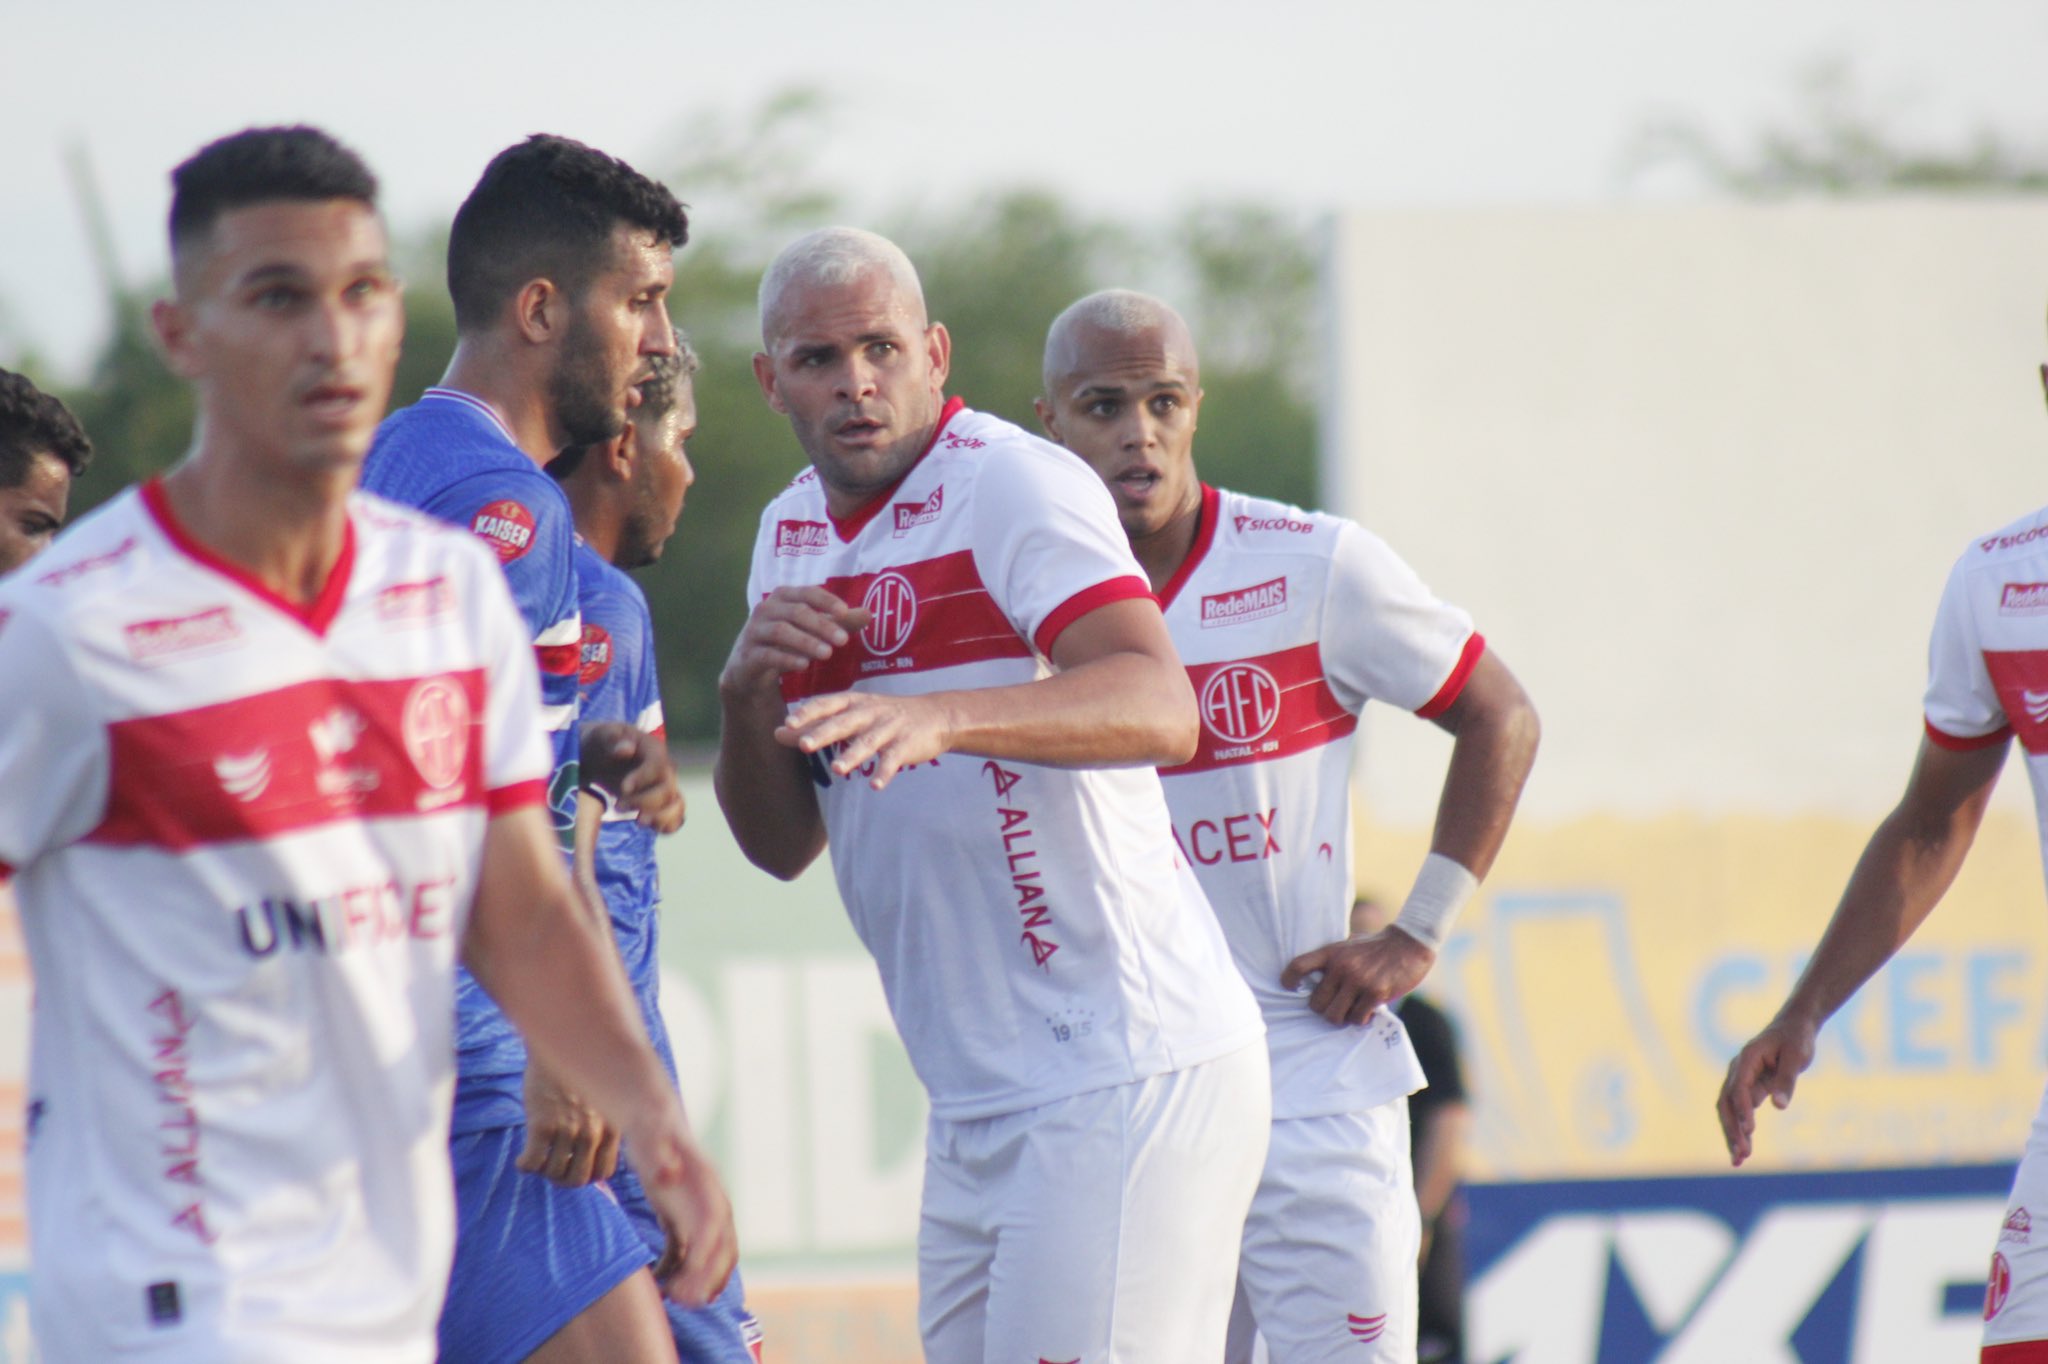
518	795
1461	673
1958	743
1084	601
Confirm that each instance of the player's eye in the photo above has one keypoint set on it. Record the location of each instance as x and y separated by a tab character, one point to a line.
1102	407
277	297
1165	403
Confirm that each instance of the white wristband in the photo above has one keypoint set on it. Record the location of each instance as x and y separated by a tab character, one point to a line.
1441	889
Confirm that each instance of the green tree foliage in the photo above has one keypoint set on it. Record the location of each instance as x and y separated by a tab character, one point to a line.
997	268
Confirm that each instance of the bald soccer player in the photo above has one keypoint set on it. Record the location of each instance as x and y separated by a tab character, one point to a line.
1289	622
956	677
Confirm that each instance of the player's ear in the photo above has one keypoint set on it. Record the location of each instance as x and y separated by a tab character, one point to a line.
939	346
171	326
538	311
1047	420
764	375
620	453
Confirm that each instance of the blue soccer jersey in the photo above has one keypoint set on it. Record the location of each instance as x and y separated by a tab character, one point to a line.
451	456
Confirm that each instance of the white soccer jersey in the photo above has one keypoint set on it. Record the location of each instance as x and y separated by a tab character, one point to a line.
1289	622
245	838
1036	934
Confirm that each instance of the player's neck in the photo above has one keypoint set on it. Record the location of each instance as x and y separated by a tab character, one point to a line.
598	526
484	371
285	529
1162	553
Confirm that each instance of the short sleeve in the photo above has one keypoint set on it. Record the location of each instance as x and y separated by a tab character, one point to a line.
1386	636
53	747
617	678
1962	706
1047	542
517	757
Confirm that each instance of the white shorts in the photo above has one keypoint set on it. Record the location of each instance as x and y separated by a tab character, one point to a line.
2016	1294
1328	1270
1101	1228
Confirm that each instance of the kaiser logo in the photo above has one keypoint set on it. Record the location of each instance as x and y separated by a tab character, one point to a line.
1252	524
1240	703
507	527
244	777
415	601
435	726
910	514
2023	599
151	639
597	653
1245	603
891	604
2019	1226
800	537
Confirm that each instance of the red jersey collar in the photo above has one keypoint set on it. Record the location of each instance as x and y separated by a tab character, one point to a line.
1205	535
315	615
856	521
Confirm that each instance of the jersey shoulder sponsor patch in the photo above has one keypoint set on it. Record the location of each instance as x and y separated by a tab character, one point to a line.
507	526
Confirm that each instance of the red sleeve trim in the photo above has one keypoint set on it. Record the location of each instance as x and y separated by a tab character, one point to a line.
6	871
1959	743
1084	601
1447	694
2016	1352
559	660
517	796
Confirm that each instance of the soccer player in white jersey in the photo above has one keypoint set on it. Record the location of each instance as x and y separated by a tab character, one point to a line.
274	756
1289	622
1987	682
956	677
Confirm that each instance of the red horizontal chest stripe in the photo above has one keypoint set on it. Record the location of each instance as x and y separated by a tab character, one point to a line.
1258	709
301	756
932	614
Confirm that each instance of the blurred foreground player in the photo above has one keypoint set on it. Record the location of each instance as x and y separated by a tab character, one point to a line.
1289	622
274	756
42	449
1987	681
954	670
627	493
559	265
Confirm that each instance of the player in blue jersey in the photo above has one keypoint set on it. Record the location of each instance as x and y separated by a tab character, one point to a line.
559	264
627	493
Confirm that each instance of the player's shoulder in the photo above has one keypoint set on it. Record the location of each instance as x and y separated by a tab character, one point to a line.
1248	524
2026	538
603	585
980	448
104	554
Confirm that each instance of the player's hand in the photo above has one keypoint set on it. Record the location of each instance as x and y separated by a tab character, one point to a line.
566	1139
790	629
1769	1065
1361	974
702	1245
895	731
635	767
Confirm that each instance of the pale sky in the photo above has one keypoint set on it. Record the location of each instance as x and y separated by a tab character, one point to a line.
1130	106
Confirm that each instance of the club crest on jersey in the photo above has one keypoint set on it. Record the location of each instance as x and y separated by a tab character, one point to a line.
597	654
891	604
1245	603
1240	703
435	727
1997	1286
800	537
507	526
149	640
2023	599
909	514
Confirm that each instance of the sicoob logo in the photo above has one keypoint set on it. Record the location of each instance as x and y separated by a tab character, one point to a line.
799	537
1245	603
892	603
1283	523
910	514
507	526
1239	703
597	654
436	731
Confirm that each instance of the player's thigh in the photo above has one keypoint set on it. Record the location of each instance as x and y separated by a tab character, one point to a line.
1331	1242
625	1325
956	1242
529	1256
1120	1219
722	1332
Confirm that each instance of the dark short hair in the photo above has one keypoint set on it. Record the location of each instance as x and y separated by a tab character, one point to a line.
658	395
257	166
546	208
31	423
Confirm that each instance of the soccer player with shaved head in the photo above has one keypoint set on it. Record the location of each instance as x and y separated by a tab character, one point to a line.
274	758
42	449
955	678
1289	623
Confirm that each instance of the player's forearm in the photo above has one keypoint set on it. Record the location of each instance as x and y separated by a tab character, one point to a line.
1491	758
1119	710
1437	1169
765	789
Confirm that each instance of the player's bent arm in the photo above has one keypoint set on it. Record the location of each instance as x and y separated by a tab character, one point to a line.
1120	699
1438	1158
1495	731
1907	866
533	947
